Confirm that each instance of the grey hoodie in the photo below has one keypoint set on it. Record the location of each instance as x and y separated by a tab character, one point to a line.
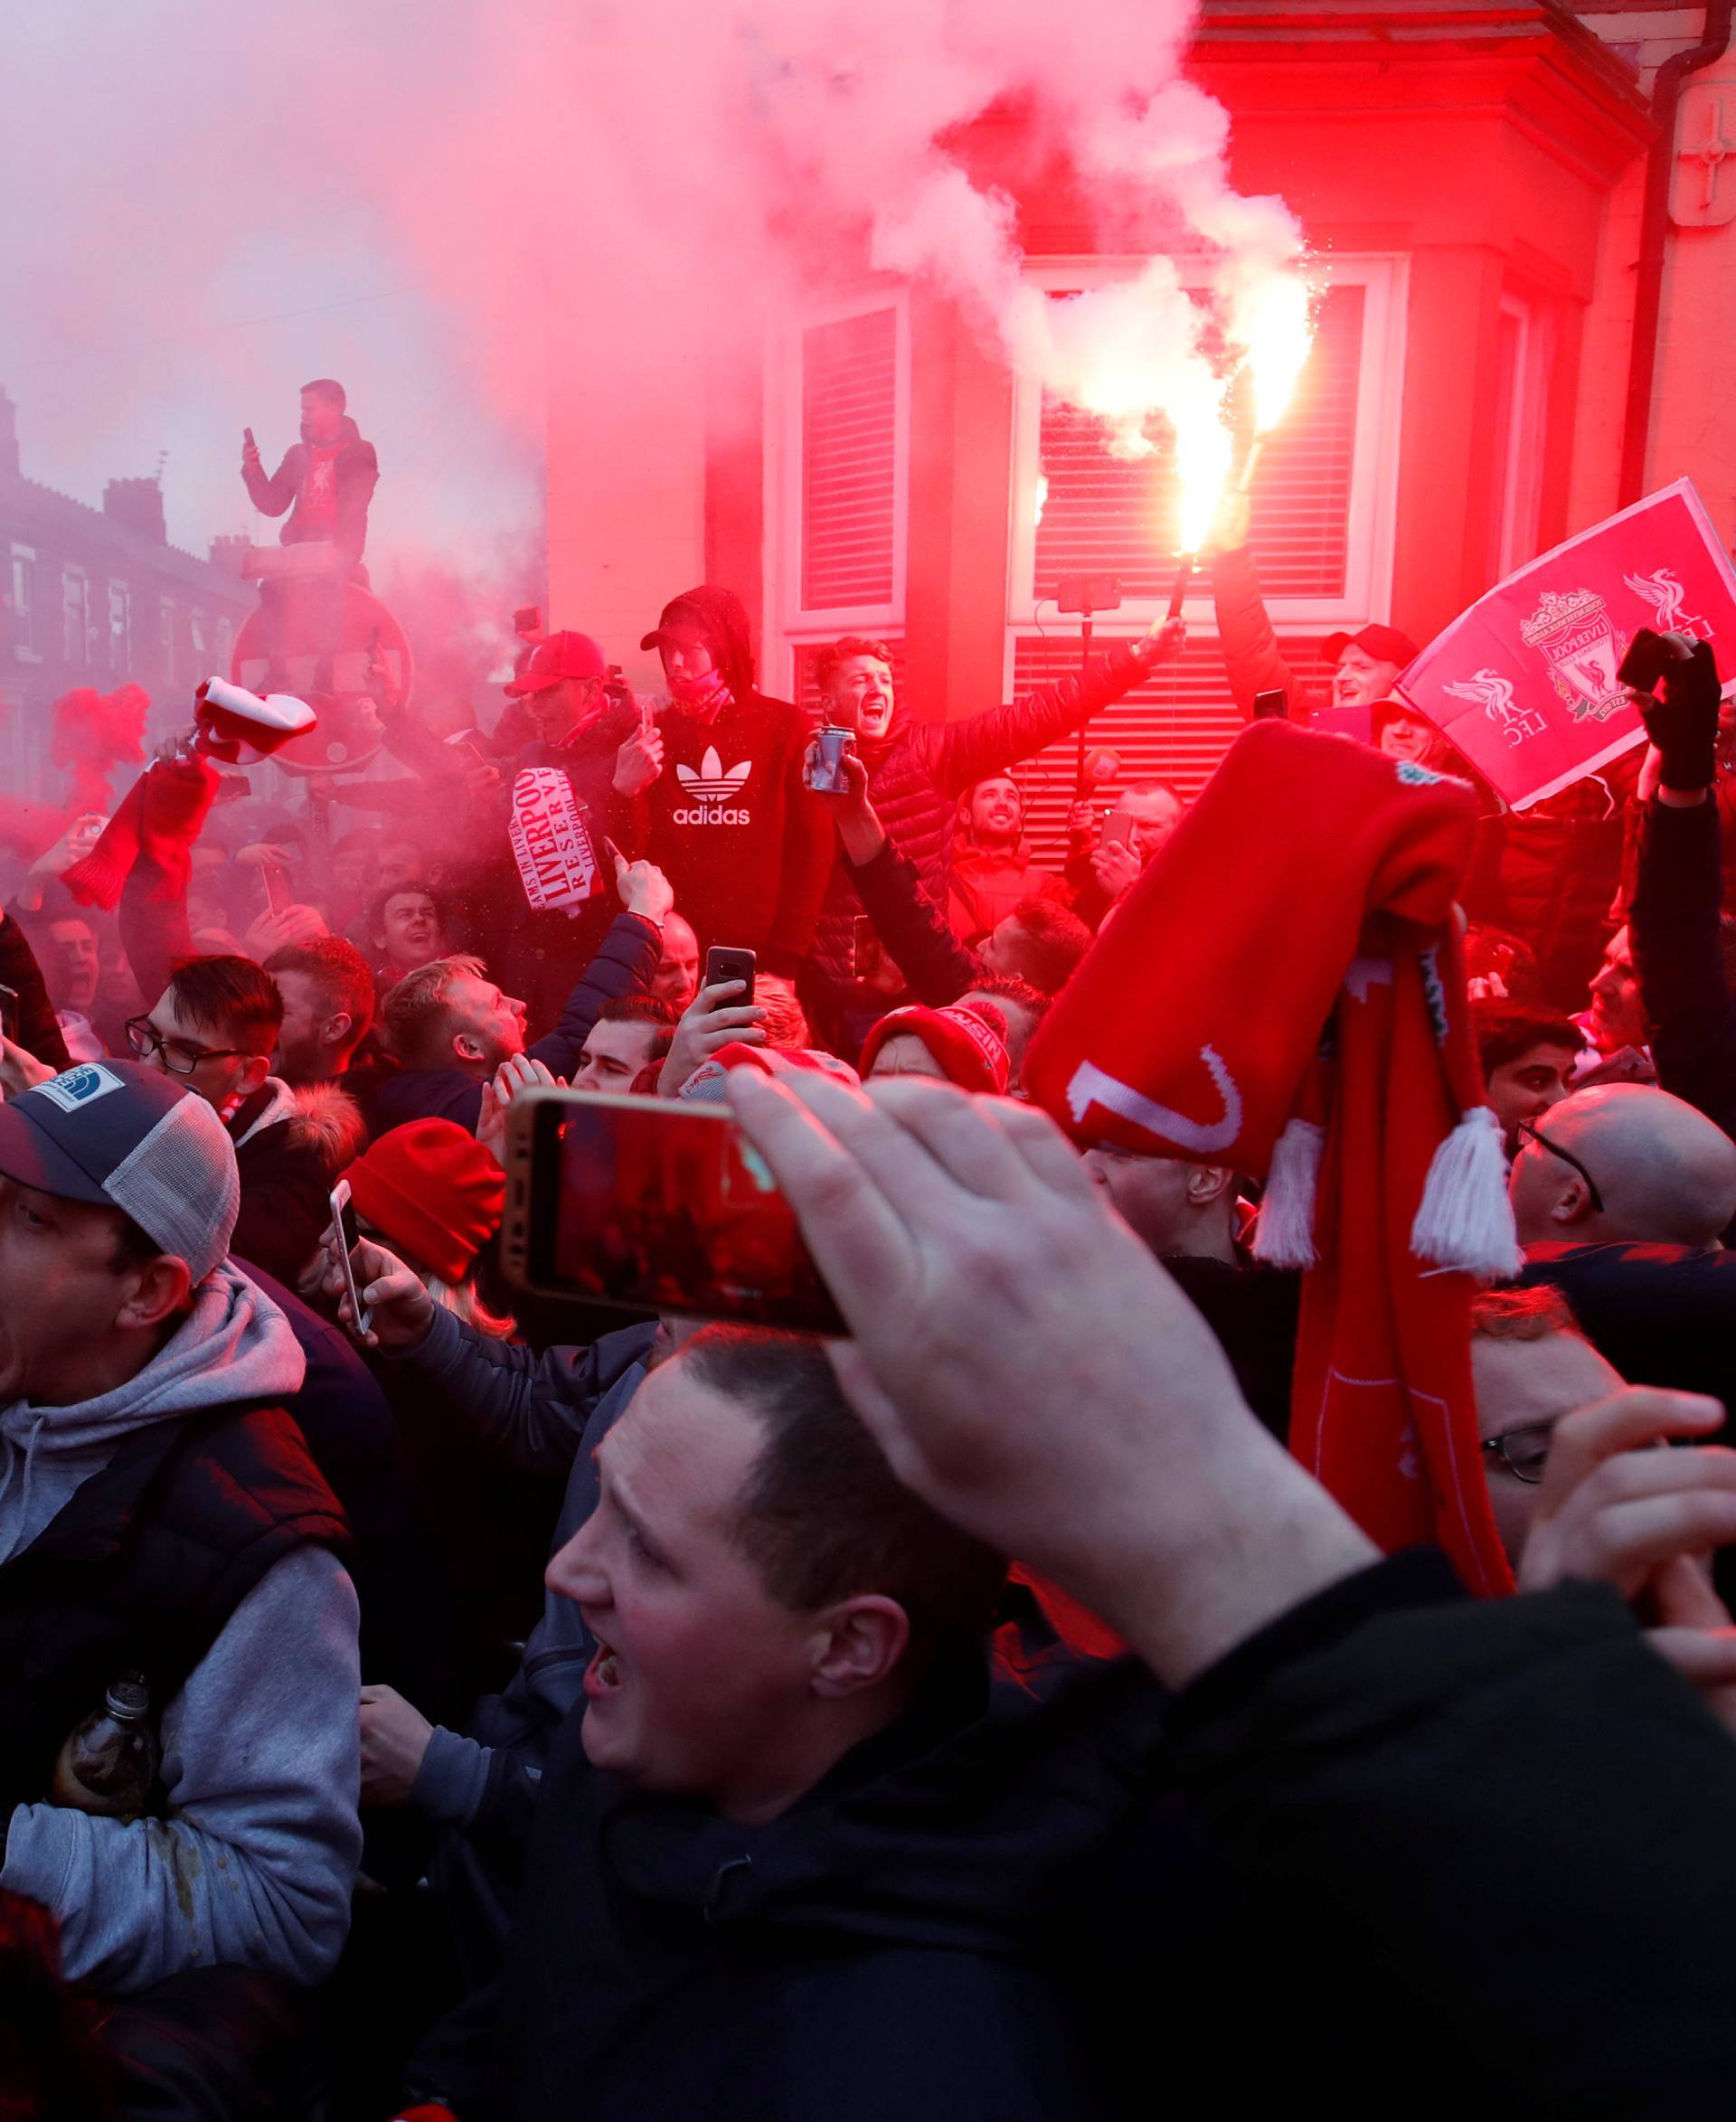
254	1859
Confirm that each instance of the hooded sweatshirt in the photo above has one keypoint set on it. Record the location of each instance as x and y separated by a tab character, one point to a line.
253	1859
746	846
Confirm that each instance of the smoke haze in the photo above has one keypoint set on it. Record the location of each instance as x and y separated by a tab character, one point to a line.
210	205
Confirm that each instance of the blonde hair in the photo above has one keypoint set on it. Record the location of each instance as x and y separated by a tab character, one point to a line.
412	1017
461	1300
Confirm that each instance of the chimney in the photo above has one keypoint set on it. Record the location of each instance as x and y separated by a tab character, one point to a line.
8	434
136	505
230	552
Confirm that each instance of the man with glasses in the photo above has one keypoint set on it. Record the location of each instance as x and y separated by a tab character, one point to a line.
1623	1162
213	1029
1530	1365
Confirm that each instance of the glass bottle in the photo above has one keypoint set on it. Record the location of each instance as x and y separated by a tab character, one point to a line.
109	1761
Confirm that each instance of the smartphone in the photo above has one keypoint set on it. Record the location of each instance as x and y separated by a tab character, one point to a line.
865	952
653	1205
1649	656
723	964
528	619
1274	704
344	1219
9	1013
1118	829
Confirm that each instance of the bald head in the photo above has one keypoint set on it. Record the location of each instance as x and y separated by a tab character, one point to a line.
1663	1172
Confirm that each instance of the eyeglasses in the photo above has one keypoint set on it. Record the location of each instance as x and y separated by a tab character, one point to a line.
1524	1453
1528	1133
181	1057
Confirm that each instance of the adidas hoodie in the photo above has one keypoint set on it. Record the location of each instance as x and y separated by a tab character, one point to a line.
747	847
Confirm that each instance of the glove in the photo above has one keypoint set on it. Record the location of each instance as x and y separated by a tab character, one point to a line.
1684	724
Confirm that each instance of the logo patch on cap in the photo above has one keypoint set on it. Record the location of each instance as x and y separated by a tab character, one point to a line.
78	1087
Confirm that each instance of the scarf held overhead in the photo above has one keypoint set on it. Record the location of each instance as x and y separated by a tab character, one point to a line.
1303	1017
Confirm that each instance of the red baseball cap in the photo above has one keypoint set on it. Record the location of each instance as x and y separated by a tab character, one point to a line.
561	657
1384	644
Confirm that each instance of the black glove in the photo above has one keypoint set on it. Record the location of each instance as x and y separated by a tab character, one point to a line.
1684	724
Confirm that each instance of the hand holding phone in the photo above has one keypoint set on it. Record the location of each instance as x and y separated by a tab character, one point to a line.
722	963
653	1205
349	1236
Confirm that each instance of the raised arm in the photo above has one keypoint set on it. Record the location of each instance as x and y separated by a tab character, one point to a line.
963	752
1673	919
916	935
626	964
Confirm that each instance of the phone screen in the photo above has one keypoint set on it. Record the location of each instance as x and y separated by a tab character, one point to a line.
655	1206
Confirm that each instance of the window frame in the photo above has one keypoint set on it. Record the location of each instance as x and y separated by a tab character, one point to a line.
1524	439
788	625
73	576
1384	276
120	652
24	556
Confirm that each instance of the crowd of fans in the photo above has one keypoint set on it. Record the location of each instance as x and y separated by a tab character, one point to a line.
553	1711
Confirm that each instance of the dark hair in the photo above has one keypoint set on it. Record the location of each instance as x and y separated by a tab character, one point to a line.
1522	1315
642	1009
1505	1030
377	905
1009	987
338	969
826	664
324	387
1057	939
232	996
820	1513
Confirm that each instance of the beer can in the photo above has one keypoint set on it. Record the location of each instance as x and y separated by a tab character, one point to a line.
830	745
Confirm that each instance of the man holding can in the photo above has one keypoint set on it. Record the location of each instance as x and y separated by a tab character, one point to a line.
917	773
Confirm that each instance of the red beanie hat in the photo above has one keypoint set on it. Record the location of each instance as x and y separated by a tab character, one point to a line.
710	1080
968	1038
1283	991
431	1188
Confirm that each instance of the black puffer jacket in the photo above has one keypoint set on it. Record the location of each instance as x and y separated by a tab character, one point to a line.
916	775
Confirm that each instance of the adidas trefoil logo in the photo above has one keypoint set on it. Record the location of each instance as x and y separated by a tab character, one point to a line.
711	784
712	789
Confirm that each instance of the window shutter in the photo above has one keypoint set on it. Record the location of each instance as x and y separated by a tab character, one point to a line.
849	442
1103	515
1174	728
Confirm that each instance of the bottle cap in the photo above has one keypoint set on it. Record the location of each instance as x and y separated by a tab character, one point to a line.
128	1697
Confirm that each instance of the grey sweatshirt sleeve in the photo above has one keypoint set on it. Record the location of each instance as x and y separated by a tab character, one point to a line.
532	1409
261	1767
453	1778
